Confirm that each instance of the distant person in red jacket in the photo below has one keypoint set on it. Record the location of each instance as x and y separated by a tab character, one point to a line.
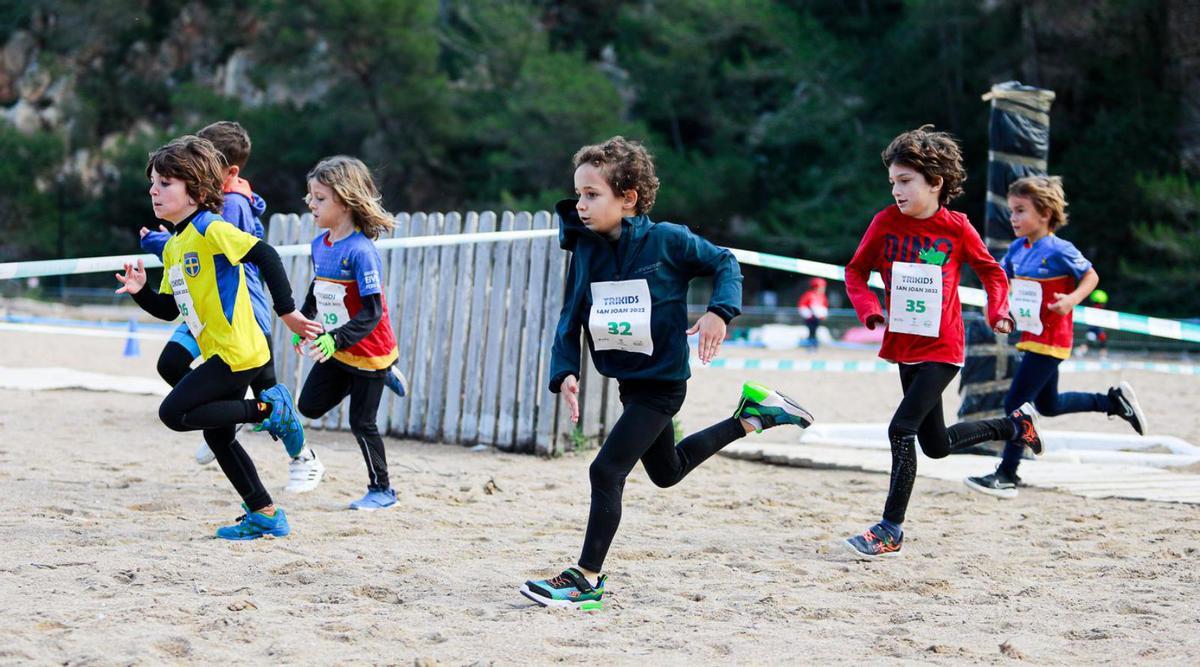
813	307
919	246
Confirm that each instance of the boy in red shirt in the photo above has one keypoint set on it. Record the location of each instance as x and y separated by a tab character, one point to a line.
919	246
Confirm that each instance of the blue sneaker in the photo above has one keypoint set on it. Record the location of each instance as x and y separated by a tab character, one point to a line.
396	381
284	423
253	525
569	589
375	500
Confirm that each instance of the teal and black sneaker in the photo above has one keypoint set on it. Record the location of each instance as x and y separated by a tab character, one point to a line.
771	408
253	525
569	589
283	424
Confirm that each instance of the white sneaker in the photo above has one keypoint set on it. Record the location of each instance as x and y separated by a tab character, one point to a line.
304	472
204	455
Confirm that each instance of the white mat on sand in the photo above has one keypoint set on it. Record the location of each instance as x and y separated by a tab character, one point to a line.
1093	465
66	378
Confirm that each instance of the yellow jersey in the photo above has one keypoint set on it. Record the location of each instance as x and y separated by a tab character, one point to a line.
201	269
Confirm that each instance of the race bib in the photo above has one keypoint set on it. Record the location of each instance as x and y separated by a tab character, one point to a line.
183	299
620	318
916	299
1025	304
331	304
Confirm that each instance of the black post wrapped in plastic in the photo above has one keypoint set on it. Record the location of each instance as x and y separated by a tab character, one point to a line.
1019	146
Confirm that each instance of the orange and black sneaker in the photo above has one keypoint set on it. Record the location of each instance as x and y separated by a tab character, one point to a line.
875	542
1025	419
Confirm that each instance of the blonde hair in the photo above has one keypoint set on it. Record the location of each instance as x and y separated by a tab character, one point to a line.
351	181
1047	195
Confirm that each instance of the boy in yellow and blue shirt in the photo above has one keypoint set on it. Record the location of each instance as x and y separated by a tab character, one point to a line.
204	281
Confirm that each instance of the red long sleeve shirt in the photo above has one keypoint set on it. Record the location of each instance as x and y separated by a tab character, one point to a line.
947	237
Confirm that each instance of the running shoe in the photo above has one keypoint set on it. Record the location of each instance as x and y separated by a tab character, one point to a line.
204	455
375	499
1124	404
396	381
771	408
1025	419
875	542
304	472
283	424
569	589
253	525
997	484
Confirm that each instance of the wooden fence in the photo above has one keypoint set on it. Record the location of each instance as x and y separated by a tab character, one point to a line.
474	323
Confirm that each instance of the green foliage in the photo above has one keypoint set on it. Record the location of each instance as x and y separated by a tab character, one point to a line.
1161	270
766	118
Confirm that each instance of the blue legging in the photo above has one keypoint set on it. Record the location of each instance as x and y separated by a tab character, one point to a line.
1036	381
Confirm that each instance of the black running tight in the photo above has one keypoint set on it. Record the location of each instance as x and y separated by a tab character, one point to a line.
211	397
644	432
919	418
175	361
327	385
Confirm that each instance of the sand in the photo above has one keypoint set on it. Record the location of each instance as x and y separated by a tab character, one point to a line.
107	554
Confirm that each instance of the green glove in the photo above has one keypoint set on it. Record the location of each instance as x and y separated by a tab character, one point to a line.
296	339
325	344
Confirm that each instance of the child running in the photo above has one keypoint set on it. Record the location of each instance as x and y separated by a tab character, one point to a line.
814	308
204	281
626	289
357	348
1049	278
242	208
918	246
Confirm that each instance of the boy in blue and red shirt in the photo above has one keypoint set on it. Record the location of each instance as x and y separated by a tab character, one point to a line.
1049	278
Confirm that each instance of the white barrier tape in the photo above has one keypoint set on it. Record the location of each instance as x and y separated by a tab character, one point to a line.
973	296
880	366
83	331
1108	319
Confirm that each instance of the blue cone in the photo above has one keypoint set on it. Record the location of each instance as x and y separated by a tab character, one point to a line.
132	348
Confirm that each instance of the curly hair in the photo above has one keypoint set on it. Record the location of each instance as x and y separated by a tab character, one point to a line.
626	165
198	164
351	182
231	139
935	155
1047	195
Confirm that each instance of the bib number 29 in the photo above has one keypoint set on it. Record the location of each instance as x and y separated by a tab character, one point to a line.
619	328
914	306
330	319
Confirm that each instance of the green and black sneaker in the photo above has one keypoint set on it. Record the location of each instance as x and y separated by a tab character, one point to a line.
770	408
569	589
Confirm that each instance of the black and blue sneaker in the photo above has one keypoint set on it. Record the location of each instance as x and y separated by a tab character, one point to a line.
875	542
253	525
569	589
770	408
283	424
396	381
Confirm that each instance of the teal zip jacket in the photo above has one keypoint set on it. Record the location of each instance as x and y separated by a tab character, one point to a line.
667	256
